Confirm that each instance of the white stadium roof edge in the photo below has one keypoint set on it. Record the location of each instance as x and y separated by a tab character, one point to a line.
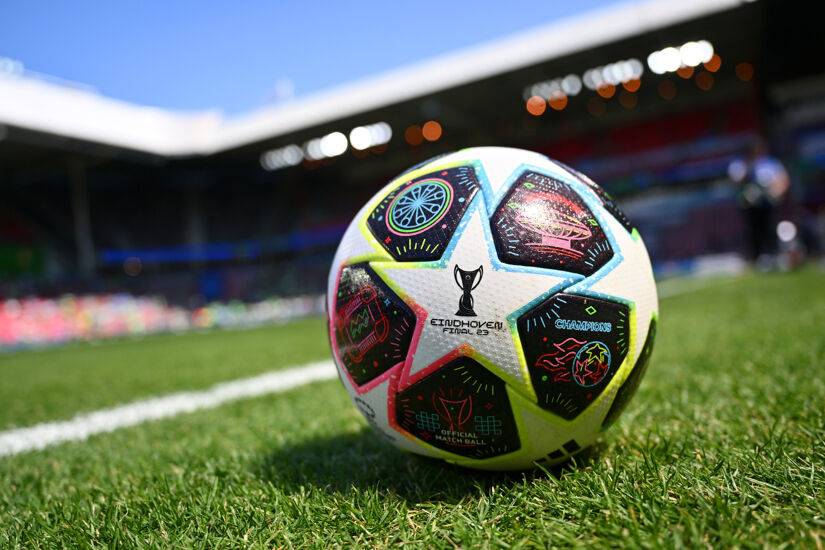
41	106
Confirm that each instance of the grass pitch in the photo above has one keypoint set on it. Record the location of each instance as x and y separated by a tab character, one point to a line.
723	446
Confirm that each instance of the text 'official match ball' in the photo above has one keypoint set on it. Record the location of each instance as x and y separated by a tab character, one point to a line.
492	308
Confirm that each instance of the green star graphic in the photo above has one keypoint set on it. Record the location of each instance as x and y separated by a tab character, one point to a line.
596	352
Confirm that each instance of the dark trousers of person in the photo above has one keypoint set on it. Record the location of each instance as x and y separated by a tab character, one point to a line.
762	228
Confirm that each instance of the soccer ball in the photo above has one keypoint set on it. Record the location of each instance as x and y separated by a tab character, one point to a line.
493	308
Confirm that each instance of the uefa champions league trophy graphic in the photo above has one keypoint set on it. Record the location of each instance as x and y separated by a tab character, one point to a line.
557	230
467	282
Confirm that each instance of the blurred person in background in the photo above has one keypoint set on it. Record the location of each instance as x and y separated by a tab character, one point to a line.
763	183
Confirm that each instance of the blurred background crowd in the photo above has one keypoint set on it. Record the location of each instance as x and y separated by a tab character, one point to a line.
35	321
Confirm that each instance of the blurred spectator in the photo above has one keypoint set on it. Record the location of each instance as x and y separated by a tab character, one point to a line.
763	182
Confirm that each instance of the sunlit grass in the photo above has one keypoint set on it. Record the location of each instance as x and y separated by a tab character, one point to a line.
723	446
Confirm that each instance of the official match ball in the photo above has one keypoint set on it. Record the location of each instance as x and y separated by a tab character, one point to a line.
492	308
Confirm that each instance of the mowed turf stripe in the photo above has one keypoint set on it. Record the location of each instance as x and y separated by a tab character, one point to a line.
83	426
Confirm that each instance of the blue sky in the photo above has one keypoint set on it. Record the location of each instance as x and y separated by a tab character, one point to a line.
232	55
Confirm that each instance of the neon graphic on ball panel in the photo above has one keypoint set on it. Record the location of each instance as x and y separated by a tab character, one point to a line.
373	326
419	207
417	218
462	408
543	222
606	198
573	346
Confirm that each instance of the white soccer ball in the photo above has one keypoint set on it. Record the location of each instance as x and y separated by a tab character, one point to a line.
493	308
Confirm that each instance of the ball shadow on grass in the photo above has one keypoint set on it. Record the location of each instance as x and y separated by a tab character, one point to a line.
363	461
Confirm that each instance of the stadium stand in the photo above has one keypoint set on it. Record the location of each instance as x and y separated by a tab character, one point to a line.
101	197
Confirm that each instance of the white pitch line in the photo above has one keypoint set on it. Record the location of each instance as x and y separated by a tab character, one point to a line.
667	291
82	426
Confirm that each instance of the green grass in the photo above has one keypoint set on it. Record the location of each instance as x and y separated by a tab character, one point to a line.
56	383
723	446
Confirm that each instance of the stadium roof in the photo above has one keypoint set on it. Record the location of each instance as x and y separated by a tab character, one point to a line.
40	106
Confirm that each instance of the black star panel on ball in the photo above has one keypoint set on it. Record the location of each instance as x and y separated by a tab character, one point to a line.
543	222
416	220
573	346
462	408
373	327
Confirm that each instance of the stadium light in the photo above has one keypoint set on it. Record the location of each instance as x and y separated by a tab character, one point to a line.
431	130
536	105
360	138
706	49
571	84
364	137
691	53
413	135
615	73
291	155
381	133
333	144
542	89
671	59
557	101
744	72
312	149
